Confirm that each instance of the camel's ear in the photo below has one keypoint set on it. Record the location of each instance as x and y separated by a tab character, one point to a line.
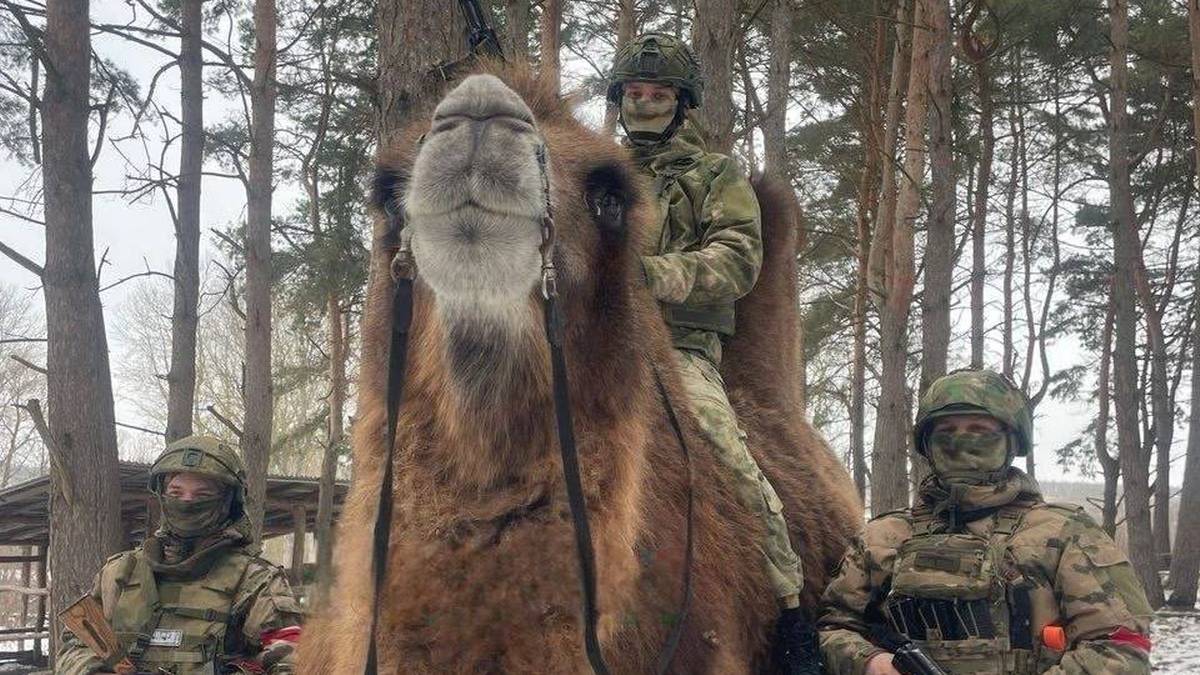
609	191
387	188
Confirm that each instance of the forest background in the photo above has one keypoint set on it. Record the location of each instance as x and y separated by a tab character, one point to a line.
1005	183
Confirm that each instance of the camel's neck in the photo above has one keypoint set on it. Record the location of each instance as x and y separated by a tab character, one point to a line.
482	393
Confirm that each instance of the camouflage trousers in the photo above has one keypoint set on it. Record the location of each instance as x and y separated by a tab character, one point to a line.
710	405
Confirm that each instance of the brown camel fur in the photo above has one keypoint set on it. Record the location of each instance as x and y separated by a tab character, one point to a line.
482	574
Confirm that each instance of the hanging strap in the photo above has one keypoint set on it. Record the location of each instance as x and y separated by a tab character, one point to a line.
685	602
570	462
397	362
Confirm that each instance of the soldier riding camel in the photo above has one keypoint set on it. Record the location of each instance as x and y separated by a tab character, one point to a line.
705	255
195	598
983	574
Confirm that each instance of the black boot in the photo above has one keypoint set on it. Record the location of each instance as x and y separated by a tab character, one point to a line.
797	651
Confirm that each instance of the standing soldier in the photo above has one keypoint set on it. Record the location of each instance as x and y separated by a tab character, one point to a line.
983	574
195	598
706	254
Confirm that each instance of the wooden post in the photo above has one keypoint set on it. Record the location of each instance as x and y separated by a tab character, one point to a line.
41	606
26	570
299	528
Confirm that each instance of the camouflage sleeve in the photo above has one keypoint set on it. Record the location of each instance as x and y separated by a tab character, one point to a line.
863	572
726	264
74	657
1104	608
272	618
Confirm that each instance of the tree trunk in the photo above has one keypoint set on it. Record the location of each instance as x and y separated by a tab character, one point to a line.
181	381
983	77
868	205
626	27
1110	465
901	65
778	80
1185	562
714	33
337	404
1010	235
517	20
889	485
1134	461
414	36
256	428
939	248
1162	407
551	41
85	525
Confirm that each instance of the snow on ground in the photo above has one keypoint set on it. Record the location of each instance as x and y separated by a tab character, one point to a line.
1176	636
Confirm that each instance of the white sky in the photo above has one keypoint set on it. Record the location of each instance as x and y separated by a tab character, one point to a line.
137	235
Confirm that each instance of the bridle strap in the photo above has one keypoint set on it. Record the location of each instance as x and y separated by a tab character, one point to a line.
570	463
685	602
402	271
397	362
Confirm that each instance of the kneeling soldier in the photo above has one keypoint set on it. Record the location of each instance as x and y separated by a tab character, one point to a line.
983	574
195	598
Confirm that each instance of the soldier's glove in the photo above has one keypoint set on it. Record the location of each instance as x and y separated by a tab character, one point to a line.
797	650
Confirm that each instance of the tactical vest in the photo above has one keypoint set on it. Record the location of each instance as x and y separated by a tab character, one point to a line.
963	598
688	177
178	626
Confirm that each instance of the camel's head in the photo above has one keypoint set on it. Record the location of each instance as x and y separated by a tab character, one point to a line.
472	195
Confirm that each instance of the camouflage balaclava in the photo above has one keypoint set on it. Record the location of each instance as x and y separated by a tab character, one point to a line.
975	456
658	58
203	456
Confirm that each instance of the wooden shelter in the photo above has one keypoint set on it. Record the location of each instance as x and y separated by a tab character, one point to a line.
291	508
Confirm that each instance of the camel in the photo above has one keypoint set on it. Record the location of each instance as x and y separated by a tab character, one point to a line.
482	573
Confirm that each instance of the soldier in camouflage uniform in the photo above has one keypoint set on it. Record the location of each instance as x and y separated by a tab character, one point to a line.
982	573
706	253
195	598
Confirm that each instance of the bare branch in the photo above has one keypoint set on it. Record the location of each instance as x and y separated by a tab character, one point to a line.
224	420
32	366
21	260
58	465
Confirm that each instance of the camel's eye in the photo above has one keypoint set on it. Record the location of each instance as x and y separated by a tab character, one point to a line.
608	193
386	190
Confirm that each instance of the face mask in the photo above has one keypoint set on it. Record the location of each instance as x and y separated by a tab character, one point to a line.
967	451
646	121
194	518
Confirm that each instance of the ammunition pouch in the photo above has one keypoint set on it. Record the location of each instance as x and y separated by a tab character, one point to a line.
957	595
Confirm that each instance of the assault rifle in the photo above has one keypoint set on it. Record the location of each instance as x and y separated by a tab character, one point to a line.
85	619
481	38
908	658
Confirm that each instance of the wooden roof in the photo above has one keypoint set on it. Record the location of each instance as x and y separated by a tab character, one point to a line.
25	507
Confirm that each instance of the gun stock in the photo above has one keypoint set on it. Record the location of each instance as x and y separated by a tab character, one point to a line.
85	619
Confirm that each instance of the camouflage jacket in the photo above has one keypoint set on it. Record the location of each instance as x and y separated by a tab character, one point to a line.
707	249
238	608
1080	580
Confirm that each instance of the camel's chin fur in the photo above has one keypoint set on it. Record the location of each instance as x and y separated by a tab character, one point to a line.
482	574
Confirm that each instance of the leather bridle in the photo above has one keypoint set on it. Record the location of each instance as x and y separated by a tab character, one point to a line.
403	272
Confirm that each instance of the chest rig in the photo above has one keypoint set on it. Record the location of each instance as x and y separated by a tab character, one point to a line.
962	597
178	626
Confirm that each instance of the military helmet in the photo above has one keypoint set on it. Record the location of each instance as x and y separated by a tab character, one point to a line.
977	391
204	455
661	58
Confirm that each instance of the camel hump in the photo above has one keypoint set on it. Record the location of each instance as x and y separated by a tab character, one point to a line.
762	358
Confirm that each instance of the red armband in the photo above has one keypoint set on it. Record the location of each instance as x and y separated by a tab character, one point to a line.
1124	636
288	634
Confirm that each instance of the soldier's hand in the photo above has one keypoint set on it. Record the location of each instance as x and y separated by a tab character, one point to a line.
881	664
